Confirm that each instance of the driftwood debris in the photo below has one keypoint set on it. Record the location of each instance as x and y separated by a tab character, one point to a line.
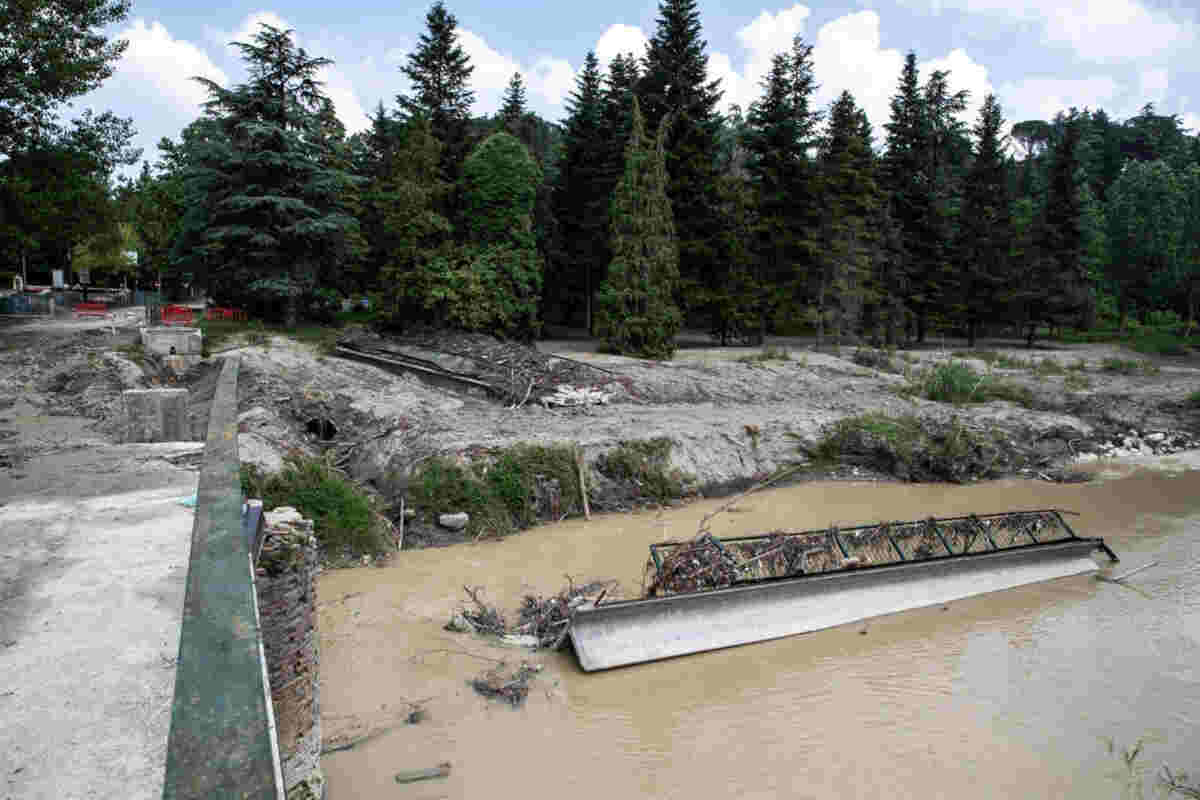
513	373
413	775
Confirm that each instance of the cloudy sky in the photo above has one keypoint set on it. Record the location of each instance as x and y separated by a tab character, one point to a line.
1038	56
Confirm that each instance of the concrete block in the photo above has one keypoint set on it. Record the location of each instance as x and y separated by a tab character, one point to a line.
166	341
156	415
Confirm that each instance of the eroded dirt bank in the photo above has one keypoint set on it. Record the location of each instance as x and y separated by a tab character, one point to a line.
729	420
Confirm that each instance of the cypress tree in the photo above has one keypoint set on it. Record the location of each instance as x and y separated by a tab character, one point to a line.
986	232
637	314
440	72
581	196
675	82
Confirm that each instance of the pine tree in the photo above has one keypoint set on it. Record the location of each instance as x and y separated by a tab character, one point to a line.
267	213
512	107
675	82
581	197
986	231
440	72
849	197
637	314
1054	284
781	127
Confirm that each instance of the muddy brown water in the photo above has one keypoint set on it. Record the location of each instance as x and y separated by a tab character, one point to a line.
1011	694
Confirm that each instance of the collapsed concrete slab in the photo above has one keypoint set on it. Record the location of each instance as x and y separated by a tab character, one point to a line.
156	415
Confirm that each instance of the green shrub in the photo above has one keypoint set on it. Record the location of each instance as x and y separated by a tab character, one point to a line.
905	446
1076	382
1193	400
343	518
955	382
1049	366
1126	366
1162	343
950	382
646	463
498	496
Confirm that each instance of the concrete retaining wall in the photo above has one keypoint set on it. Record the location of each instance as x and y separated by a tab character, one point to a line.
284	577
156	415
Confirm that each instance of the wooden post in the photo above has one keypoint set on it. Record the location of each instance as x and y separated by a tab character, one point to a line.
587	512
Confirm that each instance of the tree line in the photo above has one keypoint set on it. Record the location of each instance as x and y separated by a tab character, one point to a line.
645	211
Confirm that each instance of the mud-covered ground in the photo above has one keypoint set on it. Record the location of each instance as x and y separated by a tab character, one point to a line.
730	422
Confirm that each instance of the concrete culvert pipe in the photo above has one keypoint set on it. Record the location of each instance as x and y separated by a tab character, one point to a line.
322	428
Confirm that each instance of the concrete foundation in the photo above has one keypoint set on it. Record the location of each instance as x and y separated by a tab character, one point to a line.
156	415
180	348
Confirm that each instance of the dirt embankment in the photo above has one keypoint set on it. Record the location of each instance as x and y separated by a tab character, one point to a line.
729	420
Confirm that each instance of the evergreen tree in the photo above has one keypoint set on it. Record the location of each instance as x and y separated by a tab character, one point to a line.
512	107
582	196
986	230
268	214
780	129
849	197
440	72
675	83
1054	284
637	314
906	168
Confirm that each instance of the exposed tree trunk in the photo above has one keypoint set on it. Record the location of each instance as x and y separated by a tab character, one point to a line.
922	321
971	325
292	312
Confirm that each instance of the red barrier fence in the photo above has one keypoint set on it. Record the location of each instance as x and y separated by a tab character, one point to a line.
177	315
90	309
225	313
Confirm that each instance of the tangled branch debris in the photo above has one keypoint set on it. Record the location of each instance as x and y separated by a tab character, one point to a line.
543	620
512	687
706	562
515	373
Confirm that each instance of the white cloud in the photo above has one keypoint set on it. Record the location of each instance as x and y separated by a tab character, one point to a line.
847	56
965	73
1191	122
1042	98
249	26
1102	32
553	79
618	40
492	69
1153	84
766	36
159	67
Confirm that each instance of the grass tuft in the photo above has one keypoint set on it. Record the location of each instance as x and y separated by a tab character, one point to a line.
766	354
344	519
1128	366
500	494
646	463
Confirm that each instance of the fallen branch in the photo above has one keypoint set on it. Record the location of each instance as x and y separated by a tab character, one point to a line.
413	775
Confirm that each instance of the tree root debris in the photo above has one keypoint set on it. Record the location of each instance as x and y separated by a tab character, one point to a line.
512	687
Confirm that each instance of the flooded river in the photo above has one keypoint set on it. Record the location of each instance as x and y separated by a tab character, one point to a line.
1011	694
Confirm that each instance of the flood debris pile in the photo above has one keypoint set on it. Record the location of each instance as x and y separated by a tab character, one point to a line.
706	562
512	372
541	621
503	684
